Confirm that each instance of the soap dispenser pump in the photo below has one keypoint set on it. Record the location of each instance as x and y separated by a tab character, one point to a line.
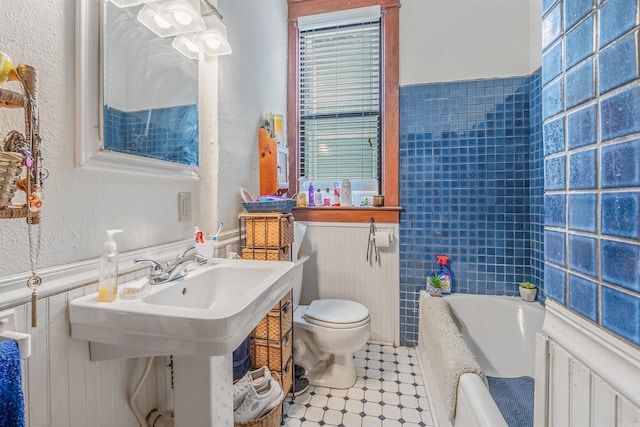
108	280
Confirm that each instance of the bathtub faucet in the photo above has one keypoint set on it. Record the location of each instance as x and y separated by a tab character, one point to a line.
175	269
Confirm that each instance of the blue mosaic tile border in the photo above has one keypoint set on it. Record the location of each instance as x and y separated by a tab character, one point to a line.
471	184
169	134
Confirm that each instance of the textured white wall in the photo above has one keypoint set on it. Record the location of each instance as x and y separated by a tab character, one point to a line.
451	40
79	204
252	81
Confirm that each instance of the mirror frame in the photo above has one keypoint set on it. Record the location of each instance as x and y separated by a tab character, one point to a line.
88	101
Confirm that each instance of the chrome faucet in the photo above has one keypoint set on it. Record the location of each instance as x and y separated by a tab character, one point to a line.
175	269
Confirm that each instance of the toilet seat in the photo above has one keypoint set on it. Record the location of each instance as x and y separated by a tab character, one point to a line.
337	314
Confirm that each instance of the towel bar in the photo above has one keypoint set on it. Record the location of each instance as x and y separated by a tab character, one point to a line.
8	331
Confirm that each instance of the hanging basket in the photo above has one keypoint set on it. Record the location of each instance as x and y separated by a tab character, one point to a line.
10	170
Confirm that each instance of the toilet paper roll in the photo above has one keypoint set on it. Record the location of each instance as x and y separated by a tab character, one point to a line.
383	239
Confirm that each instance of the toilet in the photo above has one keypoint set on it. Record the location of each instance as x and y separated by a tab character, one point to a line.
326	333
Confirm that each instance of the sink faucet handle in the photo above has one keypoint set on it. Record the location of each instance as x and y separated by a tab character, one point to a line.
156	266
156	273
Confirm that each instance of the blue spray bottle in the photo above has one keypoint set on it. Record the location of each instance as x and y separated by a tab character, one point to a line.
445	274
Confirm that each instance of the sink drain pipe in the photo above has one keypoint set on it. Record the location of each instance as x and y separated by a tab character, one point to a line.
132	403
158	419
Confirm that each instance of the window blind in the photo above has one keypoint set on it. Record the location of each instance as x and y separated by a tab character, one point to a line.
340	120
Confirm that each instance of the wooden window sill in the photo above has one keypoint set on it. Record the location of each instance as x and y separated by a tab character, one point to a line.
350	214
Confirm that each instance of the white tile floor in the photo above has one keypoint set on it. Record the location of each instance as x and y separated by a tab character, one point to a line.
389	392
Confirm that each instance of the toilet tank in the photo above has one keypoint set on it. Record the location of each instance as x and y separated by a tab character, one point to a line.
297	280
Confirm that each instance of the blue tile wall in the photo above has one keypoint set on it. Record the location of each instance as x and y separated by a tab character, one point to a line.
582	254
583	212
169	134
620	114
592	259
618	64
621	314
554	136
471	181
616	18
620	165
551	26
536	184
583	296
554	173
582	170
555	210
579	43
554	247
579	84
552	63
552	99
620	214
575	10
554	283
581	129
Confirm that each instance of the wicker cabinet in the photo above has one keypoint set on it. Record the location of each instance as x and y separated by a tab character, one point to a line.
268	236
272	342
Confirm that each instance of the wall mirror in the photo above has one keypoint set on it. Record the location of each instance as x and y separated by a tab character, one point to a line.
137	106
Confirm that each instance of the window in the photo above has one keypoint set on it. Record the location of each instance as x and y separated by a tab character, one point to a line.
339	103
326	140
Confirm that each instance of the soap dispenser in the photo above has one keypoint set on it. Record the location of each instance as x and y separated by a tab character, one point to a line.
108	280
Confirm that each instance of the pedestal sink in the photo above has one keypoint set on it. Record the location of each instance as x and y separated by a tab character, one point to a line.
199	319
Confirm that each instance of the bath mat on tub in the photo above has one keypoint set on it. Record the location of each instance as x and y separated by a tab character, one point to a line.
514	397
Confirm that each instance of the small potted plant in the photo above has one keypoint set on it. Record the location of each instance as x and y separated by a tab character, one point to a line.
435	285
528	291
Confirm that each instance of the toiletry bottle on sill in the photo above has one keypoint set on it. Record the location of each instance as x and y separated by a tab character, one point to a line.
326	201
336	194
318	198
312	201
108	279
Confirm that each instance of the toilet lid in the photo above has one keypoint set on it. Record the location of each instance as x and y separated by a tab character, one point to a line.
336	311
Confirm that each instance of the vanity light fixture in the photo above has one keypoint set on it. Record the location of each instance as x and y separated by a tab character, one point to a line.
184	44
126	3
183	15
212	41
149	17
170	17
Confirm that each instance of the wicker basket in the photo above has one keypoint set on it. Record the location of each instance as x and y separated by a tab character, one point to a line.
283	254
10	170
272	354
274	325
269	231
272	419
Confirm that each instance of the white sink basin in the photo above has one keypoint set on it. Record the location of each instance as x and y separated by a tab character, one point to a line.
209	312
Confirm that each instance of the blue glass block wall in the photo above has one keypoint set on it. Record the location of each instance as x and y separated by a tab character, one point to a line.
591	113
465	164
169	134
536	184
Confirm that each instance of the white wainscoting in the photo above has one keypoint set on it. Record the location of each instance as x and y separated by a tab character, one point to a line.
592	377
338	268
63	388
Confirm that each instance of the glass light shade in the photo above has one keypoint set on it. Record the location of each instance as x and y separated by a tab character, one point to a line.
183	15
150	18
185	45
213	40
126	3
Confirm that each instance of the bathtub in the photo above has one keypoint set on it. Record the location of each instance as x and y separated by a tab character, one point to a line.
487	324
